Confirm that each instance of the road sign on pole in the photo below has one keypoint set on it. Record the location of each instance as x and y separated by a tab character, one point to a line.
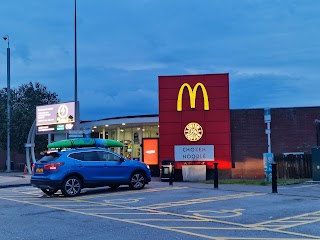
75	134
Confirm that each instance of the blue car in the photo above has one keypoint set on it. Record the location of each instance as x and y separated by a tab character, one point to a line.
74	169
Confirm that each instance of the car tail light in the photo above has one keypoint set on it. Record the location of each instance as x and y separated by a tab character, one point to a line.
53	166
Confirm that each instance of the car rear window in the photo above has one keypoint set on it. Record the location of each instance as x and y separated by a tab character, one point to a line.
49	157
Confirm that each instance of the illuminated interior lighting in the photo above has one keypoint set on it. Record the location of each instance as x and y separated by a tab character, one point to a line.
94	126
92	130
138	129
143	129
107	125
121	130
123	124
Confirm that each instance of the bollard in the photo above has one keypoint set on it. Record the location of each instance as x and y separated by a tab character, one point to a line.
170	174
215	176
274	178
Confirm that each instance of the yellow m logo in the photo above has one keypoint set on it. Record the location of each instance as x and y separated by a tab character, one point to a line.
193	95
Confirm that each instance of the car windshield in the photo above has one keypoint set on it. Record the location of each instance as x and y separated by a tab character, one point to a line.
49	157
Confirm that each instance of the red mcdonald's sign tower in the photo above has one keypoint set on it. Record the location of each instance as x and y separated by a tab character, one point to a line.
194	119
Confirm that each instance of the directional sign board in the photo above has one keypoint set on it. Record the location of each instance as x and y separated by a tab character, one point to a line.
87	131
267	115
75	134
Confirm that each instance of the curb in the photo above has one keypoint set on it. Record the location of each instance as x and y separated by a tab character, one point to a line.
15	185
313	182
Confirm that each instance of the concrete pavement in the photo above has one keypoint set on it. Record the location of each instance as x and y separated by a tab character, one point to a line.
14	179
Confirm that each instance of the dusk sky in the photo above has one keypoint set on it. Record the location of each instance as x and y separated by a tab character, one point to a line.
270	48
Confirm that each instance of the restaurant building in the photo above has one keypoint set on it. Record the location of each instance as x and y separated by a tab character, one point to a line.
195	126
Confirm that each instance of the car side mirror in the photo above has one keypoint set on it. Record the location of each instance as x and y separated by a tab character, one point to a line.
121	159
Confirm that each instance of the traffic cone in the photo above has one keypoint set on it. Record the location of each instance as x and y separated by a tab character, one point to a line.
25	169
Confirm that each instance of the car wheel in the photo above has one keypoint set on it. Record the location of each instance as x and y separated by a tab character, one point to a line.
49	191
114	186
71	186
137	181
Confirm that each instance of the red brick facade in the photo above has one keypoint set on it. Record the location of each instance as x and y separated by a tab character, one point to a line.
292	130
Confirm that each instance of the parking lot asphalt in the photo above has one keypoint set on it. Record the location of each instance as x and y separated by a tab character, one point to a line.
183	210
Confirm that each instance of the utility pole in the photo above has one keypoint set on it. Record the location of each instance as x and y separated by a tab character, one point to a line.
77	121
6	38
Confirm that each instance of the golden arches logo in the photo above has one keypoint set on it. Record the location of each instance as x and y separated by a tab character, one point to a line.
193	95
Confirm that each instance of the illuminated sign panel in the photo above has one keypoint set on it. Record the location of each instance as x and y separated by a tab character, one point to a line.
194	153
194	111
192	95
55	118
150	151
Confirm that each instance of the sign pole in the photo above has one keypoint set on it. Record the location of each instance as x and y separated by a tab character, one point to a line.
269	137
268	157
267	120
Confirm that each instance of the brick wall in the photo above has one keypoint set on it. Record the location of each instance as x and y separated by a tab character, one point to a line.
292	130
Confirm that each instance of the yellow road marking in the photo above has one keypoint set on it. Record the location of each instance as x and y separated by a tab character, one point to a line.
257	227
202	200
96	209
218	214
128	192
122	201
293	221
117	219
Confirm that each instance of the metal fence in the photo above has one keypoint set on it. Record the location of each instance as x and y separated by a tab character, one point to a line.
294	166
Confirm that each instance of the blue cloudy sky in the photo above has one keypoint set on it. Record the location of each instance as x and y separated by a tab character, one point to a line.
271	48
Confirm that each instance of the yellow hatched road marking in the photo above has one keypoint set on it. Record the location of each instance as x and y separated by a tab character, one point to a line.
202	200
128	192
293	221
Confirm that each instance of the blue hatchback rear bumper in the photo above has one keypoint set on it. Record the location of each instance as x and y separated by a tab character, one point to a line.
45	183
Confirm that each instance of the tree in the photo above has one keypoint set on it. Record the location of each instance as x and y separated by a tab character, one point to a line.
23	113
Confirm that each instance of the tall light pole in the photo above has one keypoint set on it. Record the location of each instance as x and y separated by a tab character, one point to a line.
6	38
77	122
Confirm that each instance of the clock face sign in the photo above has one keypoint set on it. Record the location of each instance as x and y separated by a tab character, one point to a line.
193	131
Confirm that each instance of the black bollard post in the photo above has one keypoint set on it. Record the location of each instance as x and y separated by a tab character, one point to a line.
215	176
170	174
274	178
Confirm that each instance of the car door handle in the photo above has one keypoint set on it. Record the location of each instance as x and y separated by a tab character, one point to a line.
80	165
105	165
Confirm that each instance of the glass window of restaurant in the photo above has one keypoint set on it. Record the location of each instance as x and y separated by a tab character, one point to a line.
131	137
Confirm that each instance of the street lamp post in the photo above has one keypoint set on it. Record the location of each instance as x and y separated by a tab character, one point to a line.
77	122
6	38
